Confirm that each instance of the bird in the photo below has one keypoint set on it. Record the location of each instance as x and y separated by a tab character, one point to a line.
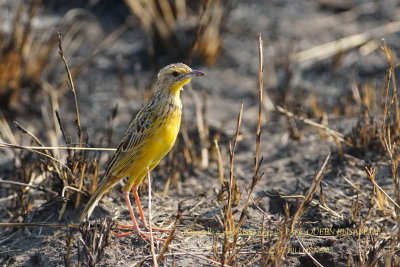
149	137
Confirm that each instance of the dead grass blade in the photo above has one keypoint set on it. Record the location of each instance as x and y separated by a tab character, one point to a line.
390	133
71	85
37	187
260	101
7	145
24	52
336	135
153	254
330	49
307	200
162	21
221	176
371	176
170	237
95	240
52	225
199	256
202	127
308	253
280	247
229	249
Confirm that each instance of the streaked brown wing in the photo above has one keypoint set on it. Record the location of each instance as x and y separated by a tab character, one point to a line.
133	141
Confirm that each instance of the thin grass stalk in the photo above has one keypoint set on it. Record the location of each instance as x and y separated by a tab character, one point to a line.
70	83
395	124
170	237
232	156
228	217
260	99
257	162
221	176
153	254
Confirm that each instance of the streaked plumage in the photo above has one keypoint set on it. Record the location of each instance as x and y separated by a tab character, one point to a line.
150	136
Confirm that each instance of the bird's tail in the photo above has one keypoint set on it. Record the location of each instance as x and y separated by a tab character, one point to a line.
102	189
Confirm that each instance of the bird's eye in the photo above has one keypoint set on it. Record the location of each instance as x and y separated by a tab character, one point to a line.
175	73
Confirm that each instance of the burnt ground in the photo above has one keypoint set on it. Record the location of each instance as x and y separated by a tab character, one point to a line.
293	151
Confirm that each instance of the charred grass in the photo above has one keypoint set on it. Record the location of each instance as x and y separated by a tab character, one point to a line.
66	174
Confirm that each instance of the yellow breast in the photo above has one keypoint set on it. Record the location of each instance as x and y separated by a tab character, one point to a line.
164	137
156	146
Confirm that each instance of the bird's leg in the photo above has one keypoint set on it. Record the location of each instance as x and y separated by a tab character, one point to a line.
142	234
143	219
135	194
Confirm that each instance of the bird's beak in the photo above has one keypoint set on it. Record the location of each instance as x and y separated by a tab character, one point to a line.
196	73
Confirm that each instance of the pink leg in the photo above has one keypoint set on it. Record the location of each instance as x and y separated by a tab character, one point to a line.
138	231
134	191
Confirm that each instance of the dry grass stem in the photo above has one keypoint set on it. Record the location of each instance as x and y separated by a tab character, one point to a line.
331	132
162	21
193	254
202	128
330	49
5	130
25	52
38	187
229	248
51	225
280	247
150	219
7	145
95	240
71	188
306	202
71	85
170	237
221	175
371	177
260	99
257	162
308	253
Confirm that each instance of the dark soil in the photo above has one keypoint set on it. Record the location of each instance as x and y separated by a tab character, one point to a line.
122	75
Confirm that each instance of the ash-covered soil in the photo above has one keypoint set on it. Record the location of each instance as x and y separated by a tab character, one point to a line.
122	75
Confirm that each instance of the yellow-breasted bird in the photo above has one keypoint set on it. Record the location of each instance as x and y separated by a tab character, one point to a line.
150	136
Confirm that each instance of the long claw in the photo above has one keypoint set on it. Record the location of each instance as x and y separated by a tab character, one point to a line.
141	234
157	229
146	226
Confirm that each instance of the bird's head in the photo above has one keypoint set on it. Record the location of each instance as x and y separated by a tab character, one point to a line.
171	78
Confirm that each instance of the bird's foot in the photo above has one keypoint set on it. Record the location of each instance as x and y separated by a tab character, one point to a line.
143	234
156	228
147	226
126	226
